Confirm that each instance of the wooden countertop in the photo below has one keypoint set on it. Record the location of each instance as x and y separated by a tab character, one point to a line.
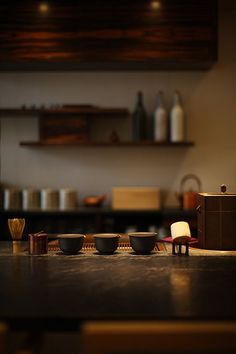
58	291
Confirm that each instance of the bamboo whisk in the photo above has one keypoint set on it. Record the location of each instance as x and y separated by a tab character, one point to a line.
16	227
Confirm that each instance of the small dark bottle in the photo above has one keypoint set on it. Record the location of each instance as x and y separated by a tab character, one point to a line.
139	118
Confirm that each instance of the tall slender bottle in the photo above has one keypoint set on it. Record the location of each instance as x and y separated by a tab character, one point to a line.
177	120
160	119
139	118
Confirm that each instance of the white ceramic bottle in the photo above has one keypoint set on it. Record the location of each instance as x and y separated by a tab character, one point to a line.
160	119
177	120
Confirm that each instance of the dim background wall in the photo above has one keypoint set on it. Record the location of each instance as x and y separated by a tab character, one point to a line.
209	102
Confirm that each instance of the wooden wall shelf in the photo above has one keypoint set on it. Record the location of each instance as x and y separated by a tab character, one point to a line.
107	144
85	111
71	110
168	212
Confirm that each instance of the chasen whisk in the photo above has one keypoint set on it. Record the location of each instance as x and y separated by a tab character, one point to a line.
16	227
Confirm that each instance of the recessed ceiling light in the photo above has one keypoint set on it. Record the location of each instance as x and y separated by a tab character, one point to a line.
155	5
43	7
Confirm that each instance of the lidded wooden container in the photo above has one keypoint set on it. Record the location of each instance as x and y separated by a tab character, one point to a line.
38	243
217	220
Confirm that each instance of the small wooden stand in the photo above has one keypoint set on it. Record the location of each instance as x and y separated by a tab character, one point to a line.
179	242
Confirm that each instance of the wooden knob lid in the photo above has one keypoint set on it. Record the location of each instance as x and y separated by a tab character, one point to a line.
223	188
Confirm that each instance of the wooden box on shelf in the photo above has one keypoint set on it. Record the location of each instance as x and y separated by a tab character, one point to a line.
136	198
61	130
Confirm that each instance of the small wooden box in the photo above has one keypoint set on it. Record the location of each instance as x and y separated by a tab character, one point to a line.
217	221
135	198
64	130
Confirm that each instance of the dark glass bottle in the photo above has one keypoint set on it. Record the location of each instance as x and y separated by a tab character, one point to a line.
139	119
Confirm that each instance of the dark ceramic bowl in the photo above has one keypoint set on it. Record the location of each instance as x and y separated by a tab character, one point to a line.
71	243
106	243
142	242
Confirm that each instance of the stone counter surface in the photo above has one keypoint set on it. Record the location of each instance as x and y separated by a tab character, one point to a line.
66	290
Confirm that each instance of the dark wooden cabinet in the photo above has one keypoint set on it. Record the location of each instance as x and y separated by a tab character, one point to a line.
217	221
108	35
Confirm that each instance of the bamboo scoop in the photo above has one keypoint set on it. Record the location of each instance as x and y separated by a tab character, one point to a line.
16	227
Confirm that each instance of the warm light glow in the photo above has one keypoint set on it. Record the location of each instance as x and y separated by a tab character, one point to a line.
43	7
181	287
155	5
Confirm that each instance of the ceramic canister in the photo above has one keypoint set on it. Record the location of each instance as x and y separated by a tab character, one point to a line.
67	199
12	198
30	199
49	199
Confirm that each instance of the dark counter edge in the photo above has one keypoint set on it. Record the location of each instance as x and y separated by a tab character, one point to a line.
74	324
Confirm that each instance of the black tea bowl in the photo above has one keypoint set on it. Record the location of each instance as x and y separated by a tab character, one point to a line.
71	243
106	243
142	242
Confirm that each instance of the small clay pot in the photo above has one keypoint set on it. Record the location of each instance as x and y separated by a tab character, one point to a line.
106	243
143	242
71	243
94	201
